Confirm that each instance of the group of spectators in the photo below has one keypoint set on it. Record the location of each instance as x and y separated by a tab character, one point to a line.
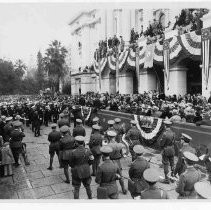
109	47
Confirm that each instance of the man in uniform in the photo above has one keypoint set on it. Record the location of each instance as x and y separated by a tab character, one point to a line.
107	174
152	176
66	146
119	129
62	121
8	129
95	121
16	142
79	130
136	170
168	152
110	127
186	147
185	186
53	137
133	137
116	154
95	144
80	162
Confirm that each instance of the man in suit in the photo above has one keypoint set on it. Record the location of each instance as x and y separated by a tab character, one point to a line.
107	174
80	162
119	129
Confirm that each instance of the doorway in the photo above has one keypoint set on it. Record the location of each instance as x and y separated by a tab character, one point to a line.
112	83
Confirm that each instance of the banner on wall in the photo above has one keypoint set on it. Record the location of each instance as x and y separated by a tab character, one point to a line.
166	58
205	38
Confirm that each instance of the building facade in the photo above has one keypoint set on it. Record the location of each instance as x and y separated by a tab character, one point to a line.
135	71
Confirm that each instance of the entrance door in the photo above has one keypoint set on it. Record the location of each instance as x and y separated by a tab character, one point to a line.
135	83
160	78
194	77
112	83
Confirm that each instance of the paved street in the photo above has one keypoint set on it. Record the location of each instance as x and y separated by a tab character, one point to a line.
36	182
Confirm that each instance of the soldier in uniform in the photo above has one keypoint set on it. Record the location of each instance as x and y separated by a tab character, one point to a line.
76	111
95	121
53	137
168	152
8	129
203	190
107	174
119	129
133	138
185	141
95	144
66	146
80	162
185	186
62	121
152	176
2	124
79	130
16	142
116	155
136	170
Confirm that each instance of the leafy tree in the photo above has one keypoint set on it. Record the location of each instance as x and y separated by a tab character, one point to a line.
19	68
40	70
54	63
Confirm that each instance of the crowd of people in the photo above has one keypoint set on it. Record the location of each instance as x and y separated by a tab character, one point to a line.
105	148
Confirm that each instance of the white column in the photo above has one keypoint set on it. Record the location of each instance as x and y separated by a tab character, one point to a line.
109	23
126	25
148	82
132	18
177	81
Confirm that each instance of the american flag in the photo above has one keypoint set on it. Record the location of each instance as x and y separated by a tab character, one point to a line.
205	39
166	58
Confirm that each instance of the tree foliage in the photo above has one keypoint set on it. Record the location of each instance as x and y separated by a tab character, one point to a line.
55	63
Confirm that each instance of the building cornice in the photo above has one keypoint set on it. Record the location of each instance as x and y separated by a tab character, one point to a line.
80	15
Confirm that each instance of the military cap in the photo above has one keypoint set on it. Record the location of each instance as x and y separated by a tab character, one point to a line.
138	149
111	133
167	122
190	156
80	138
186	137
117	120
203	189
78	120
111	122
96	127
53	125
17	124
151	175
106	149
64	128
133	122
8	118
18	117
3	117
95	119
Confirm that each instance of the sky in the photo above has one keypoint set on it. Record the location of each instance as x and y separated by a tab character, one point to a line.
27	28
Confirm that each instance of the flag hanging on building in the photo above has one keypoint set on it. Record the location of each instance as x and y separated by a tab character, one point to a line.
166	58
205	39
149	55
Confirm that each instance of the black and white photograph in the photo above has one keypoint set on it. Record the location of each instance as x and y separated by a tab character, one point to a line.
105	100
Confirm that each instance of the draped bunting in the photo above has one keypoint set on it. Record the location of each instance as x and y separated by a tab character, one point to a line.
103	62
122	58
150	127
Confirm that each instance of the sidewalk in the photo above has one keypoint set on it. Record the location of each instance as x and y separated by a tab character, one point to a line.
36	182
